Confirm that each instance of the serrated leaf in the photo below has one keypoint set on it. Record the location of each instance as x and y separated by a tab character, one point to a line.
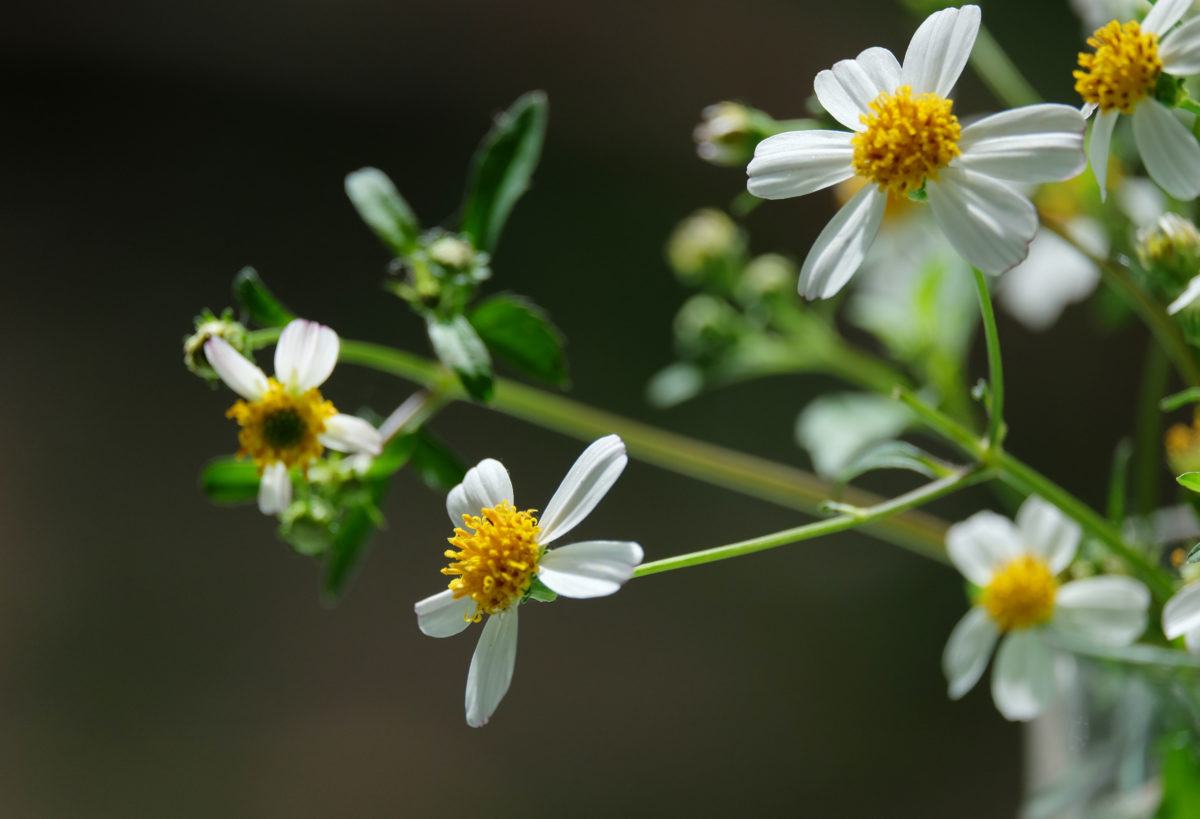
436	463
383	209
257	302
520	332
351	536
459	347
502	168
1190	480
894	455
230	480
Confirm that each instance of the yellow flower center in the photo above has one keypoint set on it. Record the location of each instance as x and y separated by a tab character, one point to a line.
1123	69
282	426
906	141
496	561
1021	594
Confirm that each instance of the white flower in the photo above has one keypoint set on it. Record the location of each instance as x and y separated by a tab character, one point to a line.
905	137
285	422
500	552
1055	275
1016	566
1120	78
1181	617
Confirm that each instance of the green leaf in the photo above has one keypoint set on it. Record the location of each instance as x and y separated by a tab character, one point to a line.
229	480
257	301
384	210
894	455
502	168
520	332
1180	777
1180	399
351	535
1193	556
838	427
459	347
438	466
1190	480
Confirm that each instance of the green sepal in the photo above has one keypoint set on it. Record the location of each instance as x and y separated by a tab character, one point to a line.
521	333
230	480
460	348
538	591
919	194
502	168
1169	90
383	209
257	302
1190	480
439	468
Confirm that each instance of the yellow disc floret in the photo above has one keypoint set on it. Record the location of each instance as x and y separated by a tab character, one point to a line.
1122	71
495	562
906	141
281	426
1021	594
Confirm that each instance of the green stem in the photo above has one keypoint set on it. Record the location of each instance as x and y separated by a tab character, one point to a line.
999	73
995	365
1147	459
750	475
840	523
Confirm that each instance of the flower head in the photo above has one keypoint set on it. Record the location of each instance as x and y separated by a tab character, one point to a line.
906	139
500	554
285	421
1022	605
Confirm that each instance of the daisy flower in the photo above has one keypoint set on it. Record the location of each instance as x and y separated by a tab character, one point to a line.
285	421
499	551
1120	76
1022	605
1181	617
906	140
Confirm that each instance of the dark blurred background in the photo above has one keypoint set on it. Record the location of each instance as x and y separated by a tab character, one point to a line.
160	656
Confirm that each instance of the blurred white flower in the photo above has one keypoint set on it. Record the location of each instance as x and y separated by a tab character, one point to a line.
1054	276
285	421
836	429
499	551
1181	617
906	140
1016	566
1095	13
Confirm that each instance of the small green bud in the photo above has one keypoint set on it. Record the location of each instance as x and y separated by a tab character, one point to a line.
305	525
704	244
766	277
451	251
209	326
705	326
727	134
1169	250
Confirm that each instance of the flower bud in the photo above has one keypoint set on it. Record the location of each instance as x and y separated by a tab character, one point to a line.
210	326
305	525
1182	443
1169	250
765	277
706	326
704	246
727	134
451	251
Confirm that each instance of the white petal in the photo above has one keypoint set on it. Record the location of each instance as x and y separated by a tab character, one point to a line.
1168	149
989	223
967	651
443	616
1036	143
1181	615
840	249
939	50
1164	14
274	489
486	484
349	433
981	544
305	355
1102	131
1180	51
800	162
586	483
1023	675
1053	276
1108	611
847	89
1187	298
593	568
1047	533
239	373
491	667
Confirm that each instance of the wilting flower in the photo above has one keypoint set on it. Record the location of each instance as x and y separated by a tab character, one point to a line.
500	554
1181	616
285	421
907	141
1120	77
1016	566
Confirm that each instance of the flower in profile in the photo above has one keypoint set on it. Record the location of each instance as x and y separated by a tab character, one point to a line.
1021	605
1181	617
500	559
1121	76
907	141
285	421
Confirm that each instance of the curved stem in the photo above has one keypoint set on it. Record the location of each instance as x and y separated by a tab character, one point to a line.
999	73
995	365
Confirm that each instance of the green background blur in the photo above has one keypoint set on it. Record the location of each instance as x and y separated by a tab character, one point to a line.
163	657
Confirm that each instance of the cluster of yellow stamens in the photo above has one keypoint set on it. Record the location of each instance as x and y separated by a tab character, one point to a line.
1021	594
907	140
495	562
1122	71
282	426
